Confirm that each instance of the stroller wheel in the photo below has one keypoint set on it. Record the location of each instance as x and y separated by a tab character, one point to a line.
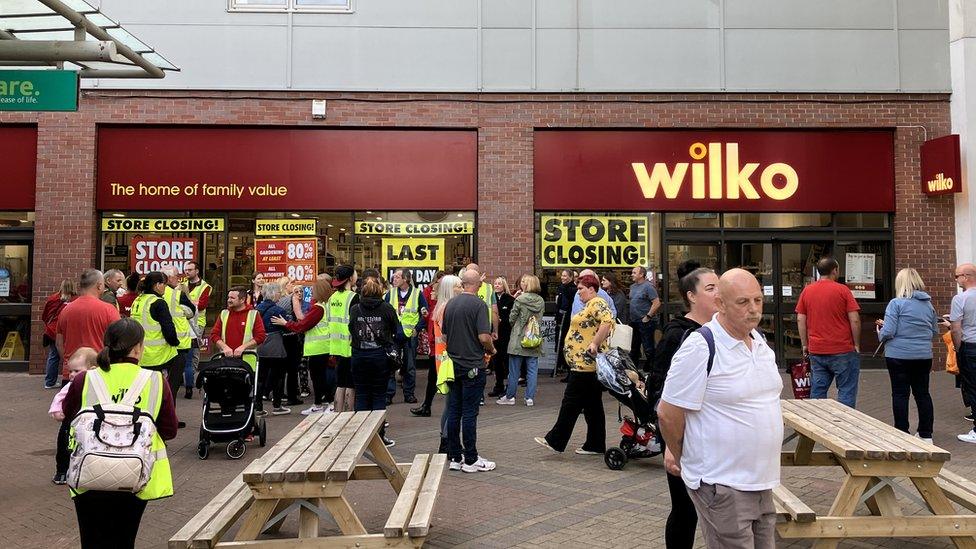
263	432
203	449
615	458
236	449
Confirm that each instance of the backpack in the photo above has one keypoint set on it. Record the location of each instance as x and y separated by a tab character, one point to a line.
706	333
113	442
532	337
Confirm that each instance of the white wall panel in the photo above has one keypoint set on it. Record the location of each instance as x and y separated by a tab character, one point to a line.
652	14
817	60
556	50
394	59
810	14
635	59
507	55
923	14
920	70
507	13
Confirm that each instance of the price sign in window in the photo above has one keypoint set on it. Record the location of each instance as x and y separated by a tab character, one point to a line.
296	258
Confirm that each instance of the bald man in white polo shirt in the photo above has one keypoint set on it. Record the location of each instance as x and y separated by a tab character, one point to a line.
724	427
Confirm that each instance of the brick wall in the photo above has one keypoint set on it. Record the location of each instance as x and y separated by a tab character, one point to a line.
65	229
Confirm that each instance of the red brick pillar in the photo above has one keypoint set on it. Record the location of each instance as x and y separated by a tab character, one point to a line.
505	207
64	227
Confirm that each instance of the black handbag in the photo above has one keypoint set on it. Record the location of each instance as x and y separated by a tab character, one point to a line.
273	346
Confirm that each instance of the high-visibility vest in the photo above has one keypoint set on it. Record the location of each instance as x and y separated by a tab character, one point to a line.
410	315
248	333
440	346
156	351
183	330
317	340
195	295
485	292
337	310
118	379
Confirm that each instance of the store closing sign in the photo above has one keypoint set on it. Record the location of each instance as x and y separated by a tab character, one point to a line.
423	257
296	258
573	241
153	254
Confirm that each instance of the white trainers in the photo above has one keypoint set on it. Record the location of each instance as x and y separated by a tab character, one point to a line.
454	466
313	410
529	402
280	411
968	437
582	452
927	440
543	442
505	401
479	466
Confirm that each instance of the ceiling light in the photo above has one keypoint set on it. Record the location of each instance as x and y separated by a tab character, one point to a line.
296	215
236	238
342	229
460	215
369	212
330	225
118	215
378	218
25	220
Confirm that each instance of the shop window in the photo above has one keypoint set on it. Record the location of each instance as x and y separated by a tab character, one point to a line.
705	253
862	220
692	220
864	268
320	6
775	220
16	220
563	246
452	234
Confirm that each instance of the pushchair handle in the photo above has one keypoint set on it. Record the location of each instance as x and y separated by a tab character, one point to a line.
218	354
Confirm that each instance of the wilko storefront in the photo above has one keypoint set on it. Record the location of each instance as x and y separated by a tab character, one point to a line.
770	201
283	201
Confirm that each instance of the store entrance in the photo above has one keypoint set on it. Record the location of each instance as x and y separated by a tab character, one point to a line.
781	268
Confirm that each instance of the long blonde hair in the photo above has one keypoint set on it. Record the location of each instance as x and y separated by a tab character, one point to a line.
447	289
907	282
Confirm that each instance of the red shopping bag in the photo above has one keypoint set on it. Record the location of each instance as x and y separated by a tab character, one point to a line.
800	377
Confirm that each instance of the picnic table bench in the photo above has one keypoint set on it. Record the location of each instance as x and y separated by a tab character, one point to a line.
308	471
873	455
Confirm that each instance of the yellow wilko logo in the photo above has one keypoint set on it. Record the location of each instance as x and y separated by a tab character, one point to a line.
940	183
737	177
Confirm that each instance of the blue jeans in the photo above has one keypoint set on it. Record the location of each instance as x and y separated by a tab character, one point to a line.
846	368
463	404
192	359
531	375
643	337
409	370
52	370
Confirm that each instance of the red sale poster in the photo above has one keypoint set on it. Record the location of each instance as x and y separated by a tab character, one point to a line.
296	258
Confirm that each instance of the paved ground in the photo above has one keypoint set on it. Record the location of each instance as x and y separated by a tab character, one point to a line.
533	499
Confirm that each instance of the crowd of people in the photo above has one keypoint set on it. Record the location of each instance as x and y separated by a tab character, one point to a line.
712	373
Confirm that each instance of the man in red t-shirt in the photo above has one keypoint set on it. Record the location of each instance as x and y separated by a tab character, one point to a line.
237	309
83	322
827	316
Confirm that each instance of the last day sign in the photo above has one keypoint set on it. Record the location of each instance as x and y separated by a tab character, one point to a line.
593	241
423	257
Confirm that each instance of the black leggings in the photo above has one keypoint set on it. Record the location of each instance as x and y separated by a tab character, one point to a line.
63	455
431	385
683	520
273	373
318	366
108	519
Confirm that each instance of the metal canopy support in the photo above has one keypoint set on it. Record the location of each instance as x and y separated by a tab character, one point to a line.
92	43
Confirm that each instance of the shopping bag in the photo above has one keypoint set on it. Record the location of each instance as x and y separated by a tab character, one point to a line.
532	337
621	337
445	374
800	377
951	365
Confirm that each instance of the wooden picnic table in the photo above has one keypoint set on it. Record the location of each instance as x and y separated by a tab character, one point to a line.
873	455
307	471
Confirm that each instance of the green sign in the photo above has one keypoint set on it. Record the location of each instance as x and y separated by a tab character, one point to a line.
54	90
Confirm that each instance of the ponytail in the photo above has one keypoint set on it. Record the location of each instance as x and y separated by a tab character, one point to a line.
121	337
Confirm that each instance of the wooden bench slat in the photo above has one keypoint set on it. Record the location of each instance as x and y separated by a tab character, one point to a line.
319	469
297	471
841	430
215	518
253	472
403	508
821	435
276	471
916	448
848	427
796	509
420	519
346	462
959	489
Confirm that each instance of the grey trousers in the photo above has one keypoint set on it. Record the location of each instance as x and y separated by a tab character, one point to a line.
733	519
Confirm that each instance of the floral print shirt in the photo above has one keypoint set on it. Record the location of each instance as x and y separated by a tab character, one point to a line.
582	329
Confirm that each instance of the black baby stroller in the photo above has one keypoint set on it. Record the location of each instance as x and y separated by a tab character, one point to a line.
639	435
229	388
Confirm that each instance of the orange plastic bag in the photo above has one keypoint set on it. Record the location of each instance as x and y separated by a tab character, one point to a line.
951	365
